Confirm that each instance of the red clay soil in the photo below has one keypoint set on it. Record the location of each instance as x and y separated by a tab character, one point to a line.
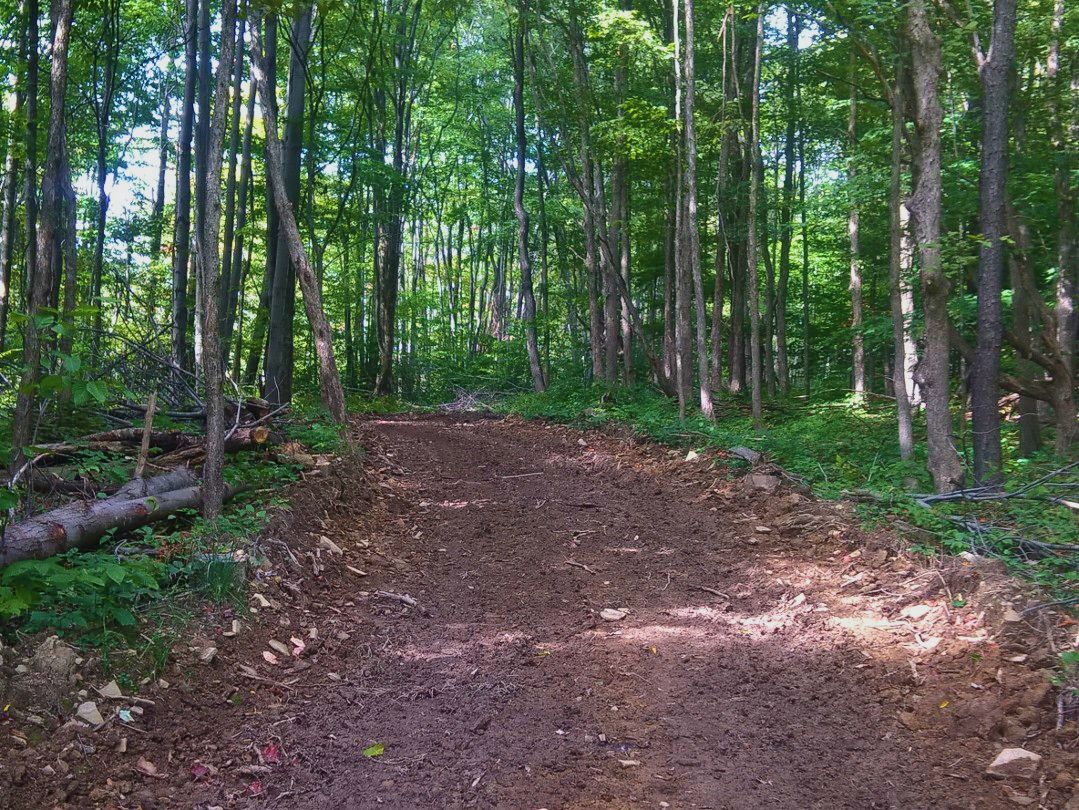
770	655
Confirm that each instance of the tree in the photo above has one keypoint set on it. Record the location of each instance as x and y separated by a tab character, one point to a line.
994	69
751	221
693	236
333	396
41	284
181	240
529	312
925	208
207	260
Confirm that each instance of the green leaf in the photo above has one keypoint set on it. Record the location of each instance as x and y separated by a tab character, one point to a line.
376	750
97	391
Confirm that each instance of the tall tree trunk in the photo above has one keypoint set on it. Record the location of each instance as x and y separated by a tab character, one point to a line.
157	215
994	71
256	351
202	156
279	344
228	276
245	183
208	263
751	223
683	350
1030	440
1064	135
181	242
103	100
786	207
7	234
898	263
925	208
693	236
807	337
31	46
854	233
333	395
525	260
51	213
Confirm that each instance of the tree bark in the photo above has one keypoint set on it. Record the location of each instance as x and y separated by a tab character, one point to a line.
103	101
693	236
751	224
157	214
785	212
7	236
854	234
52	205
529	309
994	71
82	524
234	192
236	283
181	242
1066	317
279	342
31	46
208	263
898	263
925	208
333	396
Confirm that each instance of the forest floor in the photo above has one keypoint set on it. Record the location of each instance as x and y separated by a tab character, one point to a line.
497	613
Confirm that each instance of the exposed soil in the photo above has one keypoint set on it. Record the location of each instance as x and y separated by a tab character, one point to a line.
770	655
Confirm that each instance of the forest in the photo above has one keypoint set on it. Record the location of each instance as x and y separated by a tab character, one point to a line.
289	291
727	202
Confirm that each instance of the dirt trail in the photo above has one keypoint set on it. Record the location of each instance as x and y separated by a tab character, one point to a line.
745	673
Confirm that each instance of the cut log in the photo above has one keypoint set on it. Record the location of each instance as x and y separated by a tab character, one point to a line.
84	523
174	442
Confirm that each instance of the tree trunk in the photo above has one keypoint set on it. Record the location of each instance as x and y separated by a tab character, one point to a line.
181	242
7	235
925	208
103	99
751	223
529	309
683	350
1066	316
30	47
232	189
207	258
786	206
333	396
236	282
279	343
52	205
898	262
81	524
693	236
854	233
994	72
807	337
157	214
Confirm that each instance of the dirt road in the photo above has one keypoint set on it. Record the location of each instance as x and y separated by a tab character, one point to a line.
739	669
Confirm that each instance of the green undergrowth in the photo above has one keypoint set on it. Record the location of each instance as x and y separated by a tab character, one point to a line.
131	599
847	449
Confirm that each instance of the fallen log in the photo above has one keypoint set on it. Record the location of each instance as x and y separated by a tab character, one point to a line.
169	441
81	524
